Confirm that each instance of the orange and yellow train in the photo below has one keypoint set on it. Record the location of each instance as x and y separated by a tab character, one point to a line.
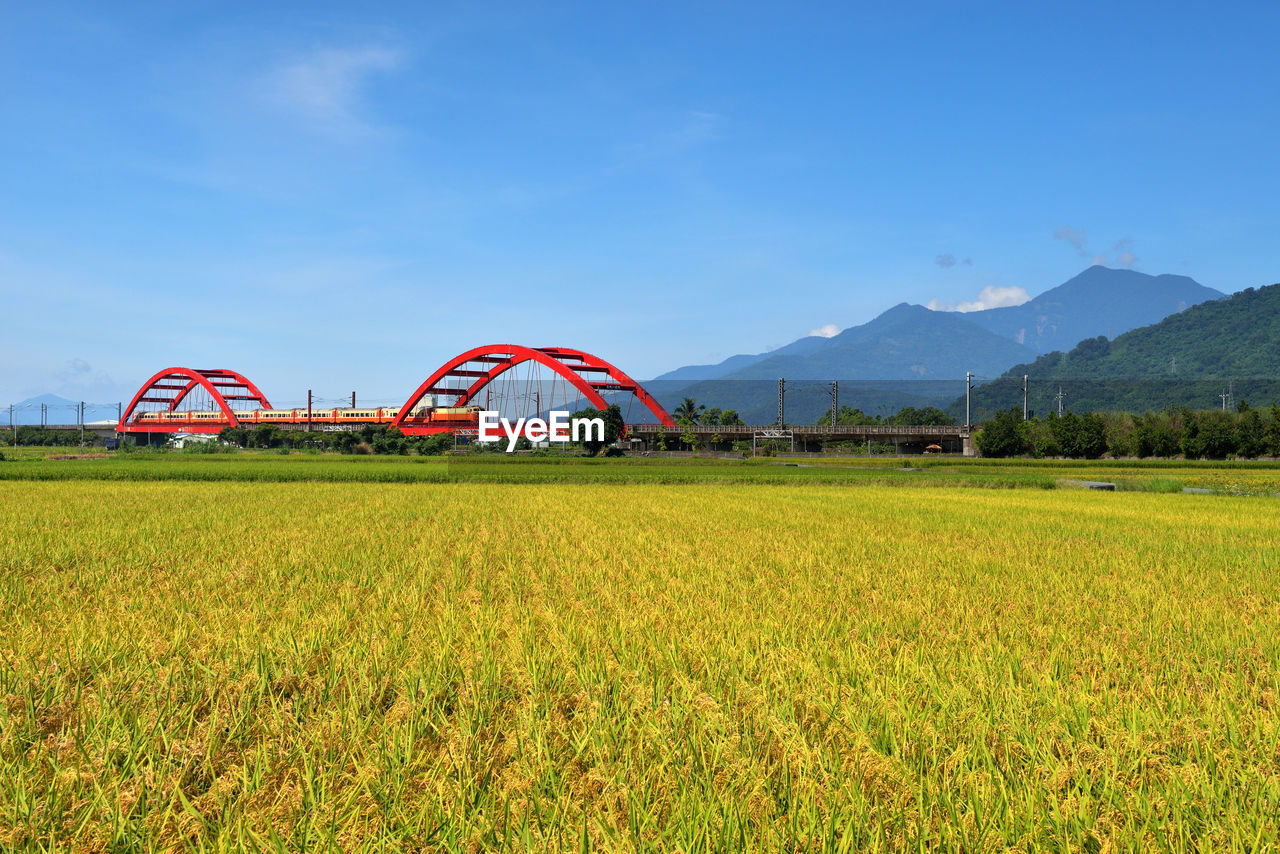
443	416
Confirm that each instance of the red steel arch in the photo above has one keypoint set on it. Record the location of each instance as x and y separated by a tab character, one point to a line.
589	374
172	385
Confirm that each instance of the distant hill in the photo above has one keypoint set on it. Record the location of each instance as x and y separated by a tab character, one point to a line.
756	401
912	342
907	342
693	373
1098	301
908	356
1188	359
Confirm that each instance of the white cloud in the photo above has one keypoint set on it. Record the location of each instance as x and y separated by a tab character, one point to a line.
1126	259
826	330
325	85
989	297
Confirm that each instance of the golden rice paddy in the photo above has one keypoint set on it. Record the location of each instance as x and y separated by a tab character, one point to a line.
317	666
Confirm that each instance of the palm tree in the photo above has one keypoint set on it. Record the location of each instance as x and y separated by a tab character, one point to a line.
689	411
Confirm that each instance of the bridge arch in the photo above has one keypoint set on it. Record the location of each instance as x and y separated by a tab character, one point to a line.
587	373
170	387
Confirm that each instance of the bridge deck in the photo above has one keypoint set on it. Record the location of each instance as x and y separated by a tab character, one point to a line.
899	432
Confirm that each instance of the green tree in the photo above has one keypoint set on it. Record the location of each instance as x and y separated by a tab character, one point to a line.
689	411
345	442
1091	442
730	418
848	417
614	426
264	436
1250	439
1040	438
1003	435
1066	432
1271	432
1214	436
431	446
1120	434
237	436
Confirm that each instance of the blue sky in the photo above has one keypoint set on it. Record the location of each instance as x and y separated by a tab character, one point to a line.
341	197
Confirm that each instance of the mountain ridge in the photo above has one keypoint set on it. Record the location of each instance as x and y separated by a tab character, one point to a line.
1098	300
1210	353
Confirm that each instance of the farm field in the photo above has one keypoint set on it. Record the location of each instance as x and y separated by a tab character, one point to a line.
673	666
1249	477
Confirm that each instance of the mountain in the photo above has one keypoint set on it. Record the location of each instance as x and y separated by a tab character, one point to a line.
1098	301
1188	359
693	373
908	356
907	342
756	401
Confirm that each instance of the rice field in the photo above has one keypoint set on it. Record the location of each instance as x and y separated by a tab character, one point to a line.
464	666
1252	477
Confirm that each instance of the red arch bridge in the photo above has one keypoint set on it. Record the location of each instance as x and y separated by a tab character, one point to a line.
512	379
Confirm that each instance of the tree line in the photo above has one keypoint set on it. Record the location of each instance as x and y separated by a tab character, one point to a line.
907	415
367	440
690	413
30	435
1177	431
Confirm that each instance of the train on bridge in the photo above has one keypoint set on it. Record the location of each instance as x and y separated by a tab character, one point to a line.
509	378
506	377
443	417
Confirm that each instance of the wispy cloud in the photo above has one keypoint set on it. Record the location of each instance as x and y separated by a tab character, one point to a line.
326	86
1075	237
1123	248
991	296
1124	254
826	330
946	261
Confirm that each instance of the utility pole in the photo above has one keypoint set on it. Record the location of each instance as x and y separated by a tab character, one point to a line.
82	425
44	415
968	394
835	402
14	426
1058	397
353	400
1024	397
782	391
308	410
